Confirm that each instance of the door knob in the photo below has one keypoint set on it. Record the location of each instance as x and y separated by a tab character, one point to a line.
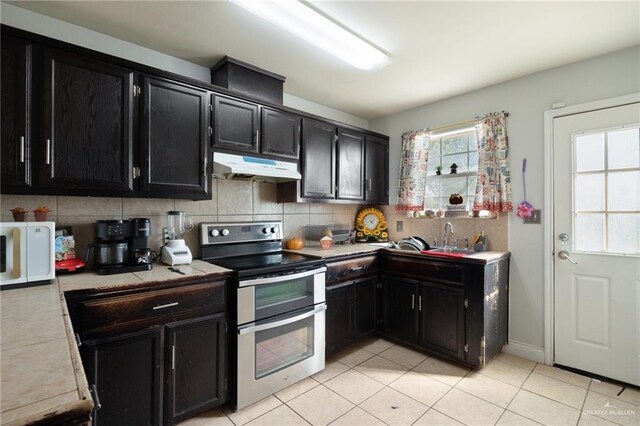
564	255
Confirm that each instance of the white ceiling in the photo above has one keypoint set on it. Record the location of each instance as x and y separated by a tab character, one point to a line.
439	49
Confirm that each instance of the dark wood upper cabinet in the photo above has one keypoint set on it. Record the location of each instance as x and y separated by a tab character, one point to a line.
235	124
280	133
126	371
174	137
15	104
350	165
87	135
376	170
442	326
318	160
195	366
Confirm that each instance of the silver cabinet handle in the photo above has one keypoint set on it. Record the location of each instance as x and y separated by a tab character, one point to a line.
48	151
257	137
420	303
96	398
168	305
369	183
357	268
564	255
255	328
413	301
22	149
204	167
173	357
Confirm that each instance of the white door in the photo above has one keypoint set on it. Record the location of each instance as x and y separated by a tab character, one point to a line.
597	211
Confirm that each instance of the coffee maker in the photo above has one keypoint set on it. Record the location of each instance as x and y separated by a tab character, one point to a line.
121	246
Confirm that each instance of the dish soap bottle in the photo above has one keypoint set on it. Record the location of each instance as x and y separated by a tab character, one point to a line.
482	242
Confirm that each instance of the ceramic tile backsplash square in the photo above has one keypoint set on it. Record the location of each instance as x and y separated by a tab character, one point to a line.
264	199
87	206
235	197
145	207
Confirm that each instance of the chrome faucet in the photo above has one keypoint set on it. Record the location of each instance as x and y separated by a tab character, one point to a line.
445	240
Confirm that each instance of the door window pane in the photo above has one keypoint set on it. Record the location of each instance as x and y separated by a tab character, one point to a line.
589	232
624	233
623	191
589	194
623	148
589	152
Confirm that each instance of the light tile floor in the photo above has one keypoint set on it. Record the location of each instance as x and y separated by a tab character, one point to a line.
377	382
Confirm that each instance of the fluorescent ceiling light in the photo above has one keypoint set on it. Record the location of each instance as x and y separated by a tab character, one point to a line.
299	19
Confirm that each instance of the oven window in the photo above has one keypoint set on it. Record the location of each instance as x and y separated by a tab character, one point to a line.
283	346
283	296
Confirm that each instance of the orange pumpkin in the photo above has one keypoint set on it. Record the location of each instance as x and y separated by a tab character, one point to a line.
294	243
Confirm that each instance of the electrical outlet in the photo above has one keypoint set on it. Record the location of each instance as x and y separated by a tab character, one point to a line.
534	218
399	225
165	235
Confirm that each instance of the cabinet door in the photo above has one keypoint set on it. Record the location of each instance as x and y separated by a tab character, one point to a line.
442	319
88	127
195	367
235	124
174	136
127	372
318	159
365	308
400	309
280	133
339	326
377	170
15	107
350	165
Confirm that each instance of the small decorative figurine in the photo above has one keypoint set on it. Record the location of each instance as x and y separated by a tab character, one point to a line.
439	170
455	199
454	169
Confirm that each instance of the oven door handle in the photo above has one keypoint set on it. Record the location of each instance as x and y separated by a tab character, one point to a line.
255	328
280	278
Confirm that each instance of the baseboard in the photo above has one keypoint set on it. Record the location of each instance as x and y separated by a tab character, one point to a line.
525	350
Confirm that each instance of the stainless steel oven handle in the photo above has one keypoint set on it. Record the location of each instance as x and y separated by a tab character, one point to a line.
280	278
275	324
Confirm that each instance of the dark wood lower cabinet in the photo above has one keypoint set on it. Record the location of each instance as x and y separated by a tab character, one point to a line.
455	309
351	314
195	366
127	373
399	315
339	325
441	319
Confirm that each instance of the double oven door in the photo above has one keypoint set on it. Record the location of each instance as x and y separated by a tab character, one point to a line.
281	326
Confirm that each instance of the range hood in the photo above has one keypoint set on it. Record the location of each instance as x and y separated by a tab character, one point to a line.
229	166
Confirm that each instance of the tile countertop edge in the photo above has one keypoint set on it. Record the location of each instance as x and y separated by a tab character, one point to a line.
482	258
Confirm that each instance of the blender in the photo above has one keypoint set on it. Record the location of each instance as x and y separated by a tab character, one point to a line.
175	251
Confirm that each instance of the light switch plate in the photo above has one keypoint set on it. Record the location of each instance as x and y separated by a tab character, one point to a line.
534	218
399	225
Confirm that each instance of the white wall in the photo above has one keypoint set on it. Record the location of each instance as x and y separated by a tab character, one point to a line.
525	99
74	34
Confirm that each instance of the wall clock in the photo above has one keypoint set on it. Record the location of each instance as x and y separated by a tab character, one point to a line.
371	225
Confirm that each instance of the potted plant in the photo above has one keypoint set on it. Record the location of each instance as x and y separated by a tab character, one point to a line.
19	213
454	169
41	213
439	170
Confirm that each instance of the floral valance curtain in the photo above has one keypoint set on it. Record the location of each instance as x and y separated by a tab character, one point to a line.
413	171
493	190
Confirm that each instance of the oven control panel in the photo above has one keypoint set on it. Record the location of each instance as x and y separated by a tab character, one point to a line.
236	232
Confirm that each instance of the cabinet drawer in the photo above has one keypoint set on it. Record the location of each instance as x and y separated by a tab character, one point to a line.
424	270
351	269
128	312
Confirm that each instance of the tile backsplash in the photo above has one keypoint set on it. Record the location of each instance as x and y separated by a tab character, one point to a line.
234	201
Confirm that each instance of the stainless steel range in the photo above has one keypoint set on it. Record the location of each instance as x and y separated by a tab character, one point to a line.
278	304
